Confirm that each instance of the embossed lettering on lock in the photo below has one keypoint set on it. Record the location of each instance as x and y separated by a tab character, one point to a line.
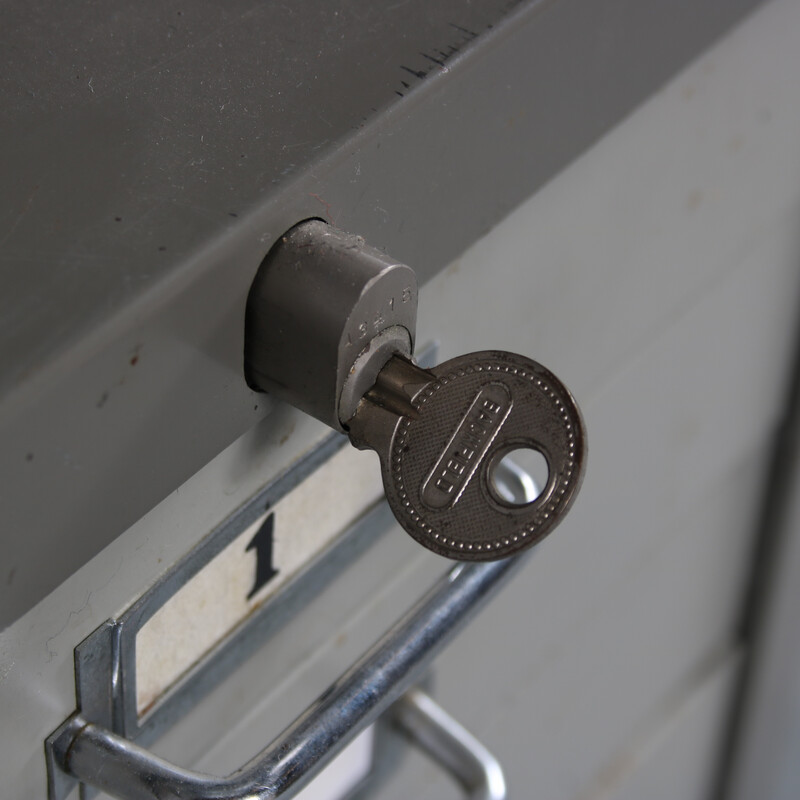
441	434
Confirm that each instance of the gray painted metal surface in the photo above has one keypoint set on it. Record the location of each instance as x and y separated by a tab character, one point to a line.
153	154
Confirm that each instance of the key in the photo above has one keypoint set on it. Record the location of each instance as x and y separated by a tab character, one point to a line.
330	327
441	434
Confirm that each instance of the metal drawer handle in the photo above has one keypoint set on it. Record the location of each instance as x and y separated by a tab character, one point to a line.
93	755
451	745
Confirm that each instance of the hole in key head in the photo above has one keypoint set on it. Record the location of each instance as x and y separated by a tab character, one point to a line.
517	477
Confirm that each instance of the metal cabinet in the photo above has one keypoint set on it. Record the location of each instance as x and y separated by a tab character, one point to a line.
611	187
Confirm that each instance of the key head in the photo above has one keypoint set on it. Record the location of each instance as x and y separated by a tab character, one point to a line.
438	471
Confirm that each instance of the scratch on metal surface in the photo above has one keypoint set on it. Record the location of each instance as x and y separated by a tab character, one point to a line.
439	57
22	214
324	203
51	651
417	73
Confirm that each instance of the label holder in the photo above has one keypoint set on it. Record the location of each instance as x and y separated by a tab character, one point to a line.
105	662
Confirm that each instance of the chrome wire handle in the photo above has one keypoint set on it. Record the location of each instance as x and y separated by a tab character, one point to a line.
95	756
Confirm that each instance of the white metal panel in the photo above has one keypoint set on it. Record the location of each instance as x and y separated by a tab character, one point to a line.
672	760
660	273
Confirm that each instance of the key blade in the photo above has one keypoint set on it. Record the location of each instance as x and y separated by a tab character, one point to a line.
388	401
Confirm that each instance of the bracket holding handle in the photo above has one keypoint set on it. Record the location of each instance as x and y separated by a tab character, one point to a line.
448	743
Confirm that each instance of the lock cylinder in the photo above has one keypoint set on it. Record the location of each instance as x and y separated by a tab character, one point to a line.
324	315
